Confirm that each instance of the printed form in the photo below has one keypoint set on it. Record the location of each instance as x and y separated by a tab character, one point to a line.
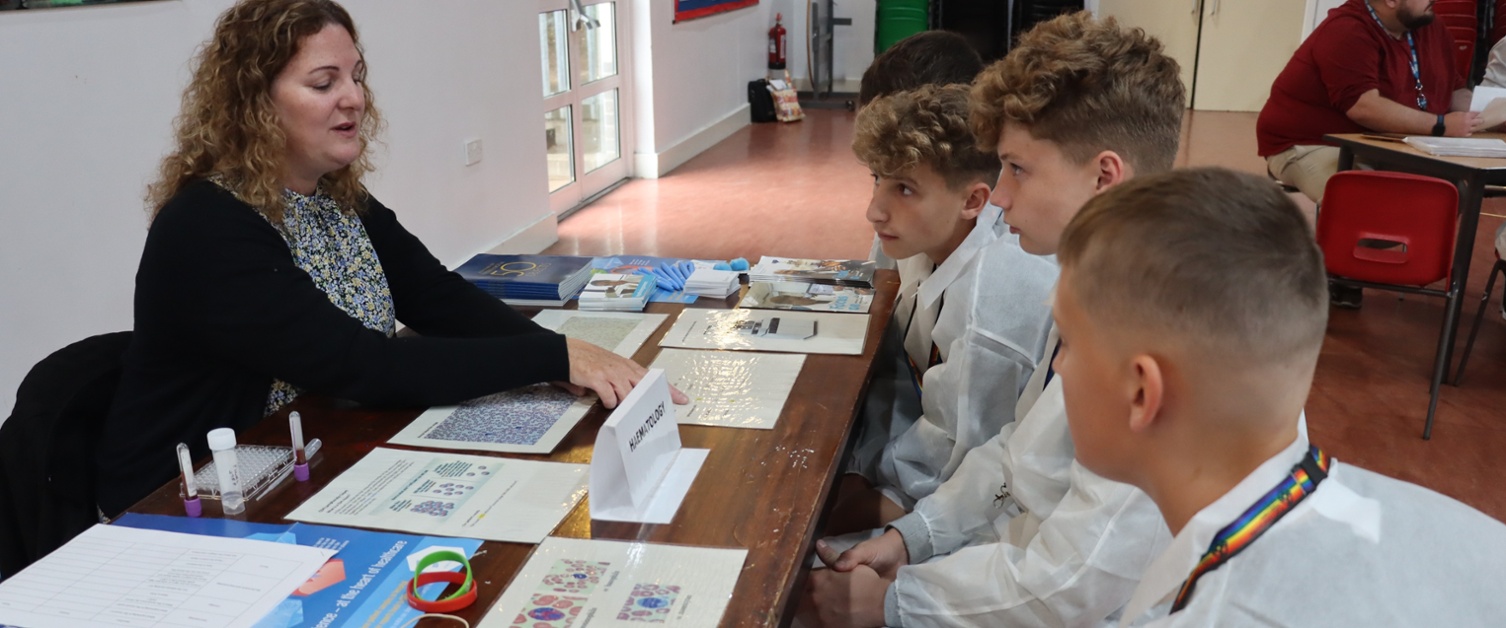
119	576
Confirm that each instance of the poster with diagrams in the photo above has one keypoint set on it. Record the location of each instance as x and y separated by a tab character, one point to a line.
528	420
768	330
621	333
497	499
730	388
580	582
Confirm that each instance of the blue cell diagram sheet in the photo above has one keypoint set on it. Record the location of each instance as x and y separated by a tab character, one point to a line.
528	420
730	388
497	499
532	419
621	333
363	584
768	330
583	582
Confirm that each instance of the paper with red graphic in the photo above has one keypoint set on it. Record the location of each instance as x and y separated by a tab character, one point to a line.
578	582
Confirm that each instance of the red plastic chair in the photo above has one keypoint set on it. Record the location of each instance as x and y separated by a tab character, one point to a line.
1418	217
1455	7
1459	22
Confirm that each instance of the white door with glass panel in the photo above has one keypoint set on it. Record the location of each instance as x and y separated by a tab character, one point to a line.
587	112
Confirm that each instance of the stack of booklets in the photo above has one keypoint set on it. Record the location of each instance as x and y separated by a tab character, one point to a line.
1458	146
841	272
547	280
610	291
708	282
795	295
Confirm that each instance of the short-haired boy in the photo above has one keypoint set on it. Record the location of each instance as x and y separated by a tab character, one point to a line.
926	58
1190	386
971	312
1021	535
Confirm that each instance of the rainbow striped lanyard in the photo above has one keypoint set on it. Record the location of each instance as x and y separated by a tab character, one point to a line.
1237	536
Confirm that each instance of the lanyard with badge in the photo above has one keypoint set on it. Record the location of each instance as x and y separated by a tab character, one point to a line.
1422	100
1259	518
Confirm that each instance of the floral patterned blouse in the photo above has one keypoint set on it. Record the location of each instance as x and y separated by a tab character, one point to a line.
331	245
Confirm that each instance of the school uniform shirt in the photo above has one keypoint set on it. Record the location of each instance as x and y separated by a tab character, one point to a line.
1361	550
880	259
892	404
974	331
1030	537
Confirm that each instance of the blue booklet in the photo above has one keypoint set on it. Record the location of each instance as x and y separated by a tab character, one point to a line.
628	264
364	584
537	277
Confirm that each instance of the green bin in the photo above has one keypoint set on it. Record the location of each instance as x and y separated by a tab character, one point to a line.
898	19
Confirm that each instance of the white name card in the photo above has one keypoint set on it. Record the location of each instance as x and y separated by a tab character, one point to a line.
639	472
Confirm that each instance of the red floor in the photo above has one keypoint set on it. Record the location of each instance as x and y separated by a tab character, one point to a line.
796	190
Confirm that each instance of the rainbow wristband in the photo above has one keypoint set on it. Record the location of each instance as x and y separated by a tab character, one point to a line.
461	598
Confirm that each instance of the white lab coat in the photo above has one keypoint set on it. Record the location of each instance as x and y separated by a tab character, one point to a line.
986	308
1361	550
1063	547
1495	66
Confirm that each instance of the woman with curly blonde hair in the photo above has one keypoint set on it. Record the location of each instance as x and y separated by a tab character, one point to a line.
270	270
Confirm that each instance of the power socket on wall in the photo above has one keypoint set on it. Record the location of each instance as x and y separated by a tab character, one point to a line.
472	151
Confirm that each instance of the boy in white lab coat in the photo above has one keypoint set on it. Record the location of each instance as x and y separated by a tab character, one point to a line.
1192	306
1021	535
933	57
903	448
972	311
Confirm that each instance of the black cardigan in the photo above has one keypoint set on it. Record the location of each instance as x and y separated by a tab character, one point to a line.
221	309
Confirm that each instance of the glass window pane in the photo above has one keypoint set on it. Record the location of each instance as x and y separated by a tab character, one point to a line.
599	129
596	48
557	148
554	51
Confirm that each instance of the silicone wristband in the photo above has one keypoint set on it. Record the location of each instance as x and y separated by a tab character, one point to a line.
461	598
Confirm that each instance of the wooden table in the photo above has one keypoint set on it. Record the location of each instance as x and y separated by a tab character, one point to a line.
1470	174
763	490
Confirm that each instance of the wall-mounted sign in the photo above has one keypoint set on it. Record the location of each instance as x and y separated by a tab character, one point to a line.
14	5
692	9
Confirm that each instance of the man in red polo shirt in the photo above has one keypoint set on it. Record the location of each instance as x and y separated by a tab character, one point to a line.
1372	65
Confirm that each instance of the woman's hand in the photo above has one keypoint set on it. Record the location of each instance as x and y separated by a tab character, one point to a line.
607	374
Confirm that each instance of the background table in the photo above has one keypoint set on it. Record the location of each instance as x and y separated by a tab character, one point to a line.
763	490
1470	174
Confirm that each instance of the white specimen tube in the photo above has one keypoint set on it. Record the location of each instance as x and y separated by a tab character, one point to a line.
222	444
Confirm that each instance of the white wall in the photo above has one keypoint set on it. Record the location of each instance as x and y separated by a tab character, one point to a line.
1317	11
852	47
691	78
89	94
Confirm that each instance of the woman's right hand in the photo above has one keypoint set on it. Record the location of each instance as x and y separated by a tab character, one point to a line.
607	374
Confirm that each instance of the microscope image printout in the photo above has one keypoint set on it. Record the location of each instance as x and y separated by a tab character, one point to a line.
119	576
619	332
762	330
730	388
497	499
579	582
528	420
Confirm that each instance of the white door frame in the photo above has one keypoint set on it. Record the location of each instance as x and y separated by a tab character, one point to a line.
588	184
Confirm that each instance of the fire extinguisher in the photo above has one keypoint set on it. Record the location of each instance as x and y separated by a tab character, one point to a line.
776	44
